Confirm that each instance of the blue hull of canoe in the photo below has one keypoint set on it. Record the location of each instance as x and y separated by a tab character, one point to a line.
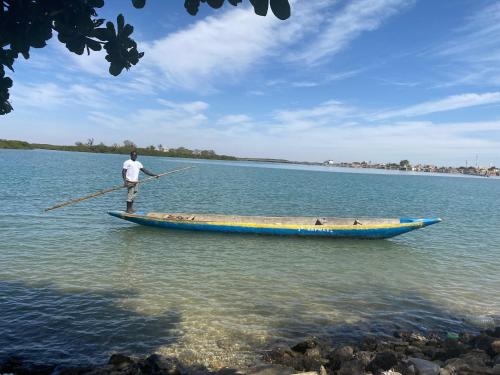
376	231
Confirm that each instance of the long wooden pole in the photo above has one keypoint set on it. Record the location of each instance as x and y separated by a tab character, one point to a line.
111	189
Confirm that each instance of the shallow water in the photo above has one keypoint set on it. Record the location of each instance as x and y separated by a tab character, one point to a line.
77	284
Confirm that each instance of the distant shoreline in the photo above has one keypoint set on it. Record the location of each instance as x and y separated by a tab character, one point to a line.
180	152
431	169
183	152
101	148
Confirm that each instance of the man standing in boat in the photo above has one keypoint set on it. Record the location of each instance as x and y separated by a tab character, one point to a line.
130	175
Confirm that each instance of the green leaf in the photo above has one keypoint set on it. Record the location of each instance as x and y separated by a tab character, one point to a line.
6	82
134	59
120	21
115	69
127	30
111	28
192	6
102	33
39	32
139	4
260	6
281	9
5	107
234	2
216	4
38	43
76	45
93	45
98	22
95	3
7	58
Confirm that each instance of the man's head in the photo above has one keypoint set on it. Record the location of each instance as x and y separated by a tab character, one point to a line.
133	155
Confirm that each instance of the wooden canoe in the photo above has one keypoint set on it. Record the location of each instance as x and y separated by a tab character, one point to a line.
288	226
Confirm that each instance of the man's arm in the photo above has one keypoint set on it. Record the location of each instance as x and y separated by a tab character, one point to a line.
124	176
149	173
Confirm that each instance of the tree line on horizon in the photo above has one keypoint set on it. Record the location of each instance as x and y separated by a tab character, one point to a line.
125	148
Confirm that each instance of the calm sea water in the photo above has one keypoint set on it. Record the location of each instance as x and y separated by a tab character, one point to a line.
77	284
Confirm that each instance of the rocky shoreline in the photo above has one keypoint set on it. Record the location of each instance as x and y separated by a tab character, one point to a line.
406	353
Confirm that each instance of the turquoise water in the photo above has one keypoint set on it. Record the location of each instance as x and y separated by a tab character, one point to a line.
77	284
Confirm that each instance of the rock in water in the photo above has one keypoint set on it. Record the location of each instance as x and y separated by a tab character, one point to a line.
302	347
495	347
424	367
339	356
120	361
383	361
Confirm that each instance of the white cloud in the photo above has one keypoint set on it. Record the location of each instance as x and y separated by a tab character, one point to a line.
38	95
50	95
170	115
305	84
139	79
317	116
447	104
386	142
107	120
225	45
333	130
392	82
326	79
256	93
357	17
222	48
233	120
479	35
343	75
93	63
189	107
474	49
168	118
329	130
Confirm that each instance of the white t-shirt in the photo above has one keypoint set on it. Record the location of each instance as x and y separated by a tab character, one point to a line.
133	168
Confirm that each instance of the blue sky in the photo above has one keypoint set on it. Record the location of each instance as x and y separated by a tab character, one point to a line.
374	80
